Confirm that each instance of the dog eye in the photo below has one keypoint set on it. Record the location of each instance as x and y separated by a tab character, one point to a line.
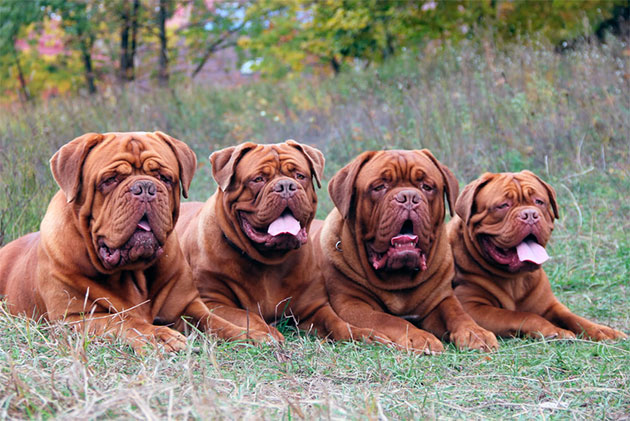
258	179
379	187
539	202
108	181
166	179
300	176
503	205
427	187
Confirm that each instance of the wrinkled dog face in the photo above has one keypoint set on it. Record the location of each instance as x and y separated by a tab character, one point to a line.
512	219
398	205
273	197
135	193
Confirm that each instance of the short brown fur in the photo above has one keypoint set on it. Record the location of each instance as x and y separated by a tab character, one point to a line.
371	193
517	299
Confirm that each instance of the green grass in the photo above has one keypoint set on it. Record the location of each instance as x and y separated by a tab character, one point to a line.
566	117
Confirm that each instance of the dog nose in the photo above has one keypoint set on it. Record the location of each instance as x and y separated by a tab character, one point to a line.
529	216
408	198
143	190
285	188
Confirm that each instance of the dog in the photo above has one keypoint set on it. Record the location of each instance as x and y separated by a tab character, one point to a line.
385	255
106	258
498	238
248	244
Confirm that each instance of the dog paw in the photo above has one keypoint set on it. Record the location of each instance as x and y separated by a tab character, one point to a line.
156	336
267	336
598	332
421	342
551	332
170	339
474	337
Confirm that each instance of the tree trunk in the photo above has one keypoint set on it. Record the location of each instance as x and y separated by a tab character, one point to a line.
26	96
129	29
336	66
134	37
163	69
124	41
86	54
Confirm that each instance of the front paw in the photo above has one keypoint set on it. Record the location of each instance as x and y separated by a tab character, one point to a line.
598	332
473	336
549	332
170	340
420	341
259	336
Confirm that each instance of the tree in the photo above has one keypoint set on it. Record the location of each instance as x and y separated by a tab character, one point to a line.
79	19
14	17
129	18
215	28
163	12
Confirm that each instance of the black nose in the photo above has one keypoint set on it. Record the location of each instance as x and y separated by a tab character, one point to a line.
143	190
285	188
408	198
529	216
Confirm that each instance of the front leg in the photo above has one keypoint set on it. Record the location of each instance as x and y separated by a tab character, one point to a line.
233	323
398	331
449	316
507	323
561	315
328	324
137	333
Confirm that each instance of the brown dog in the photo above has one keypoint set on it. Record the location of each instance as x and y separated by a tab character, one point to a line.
106	258
385	254
504	222
248	244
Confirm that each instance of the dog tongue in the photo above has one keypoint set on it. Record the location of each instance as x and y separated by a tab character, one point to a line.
144	225
532	251
285	224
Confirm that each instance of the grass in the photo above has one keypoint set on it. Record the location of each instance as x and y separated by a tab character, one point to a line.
566	117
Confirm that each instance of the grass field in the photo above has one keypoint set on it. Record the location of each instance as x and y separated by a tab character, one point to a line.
566	117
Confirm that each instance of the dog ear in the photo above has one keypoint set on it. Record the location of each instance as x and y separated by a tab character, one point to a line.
224	163
341	185
315	159
67	163
186	159
550	192
466	200
451	186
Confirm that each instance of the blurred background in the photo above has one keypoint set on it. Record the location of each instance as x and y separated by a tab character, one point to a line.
51	48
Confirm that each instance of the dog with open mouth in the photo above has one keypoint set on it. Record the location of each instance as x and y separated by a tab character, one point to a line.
498	238
249	246
385	255
106	258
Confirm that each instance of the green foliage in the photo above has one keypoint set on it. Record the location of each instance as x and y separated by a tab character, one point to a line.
280	37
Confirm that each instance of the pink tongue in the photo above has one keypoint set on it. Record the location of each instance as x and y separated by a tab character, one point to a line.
286	224
144	225
532	251
404	238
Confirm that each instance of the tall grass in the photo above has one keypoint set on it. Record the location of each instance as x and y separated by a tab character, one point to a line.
565	116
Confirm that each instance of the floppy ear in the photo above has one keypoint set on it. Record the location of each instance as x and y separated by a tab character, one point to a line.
341	185
224	163
186	159
550	192
66	164
466	200
315	159
451	186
